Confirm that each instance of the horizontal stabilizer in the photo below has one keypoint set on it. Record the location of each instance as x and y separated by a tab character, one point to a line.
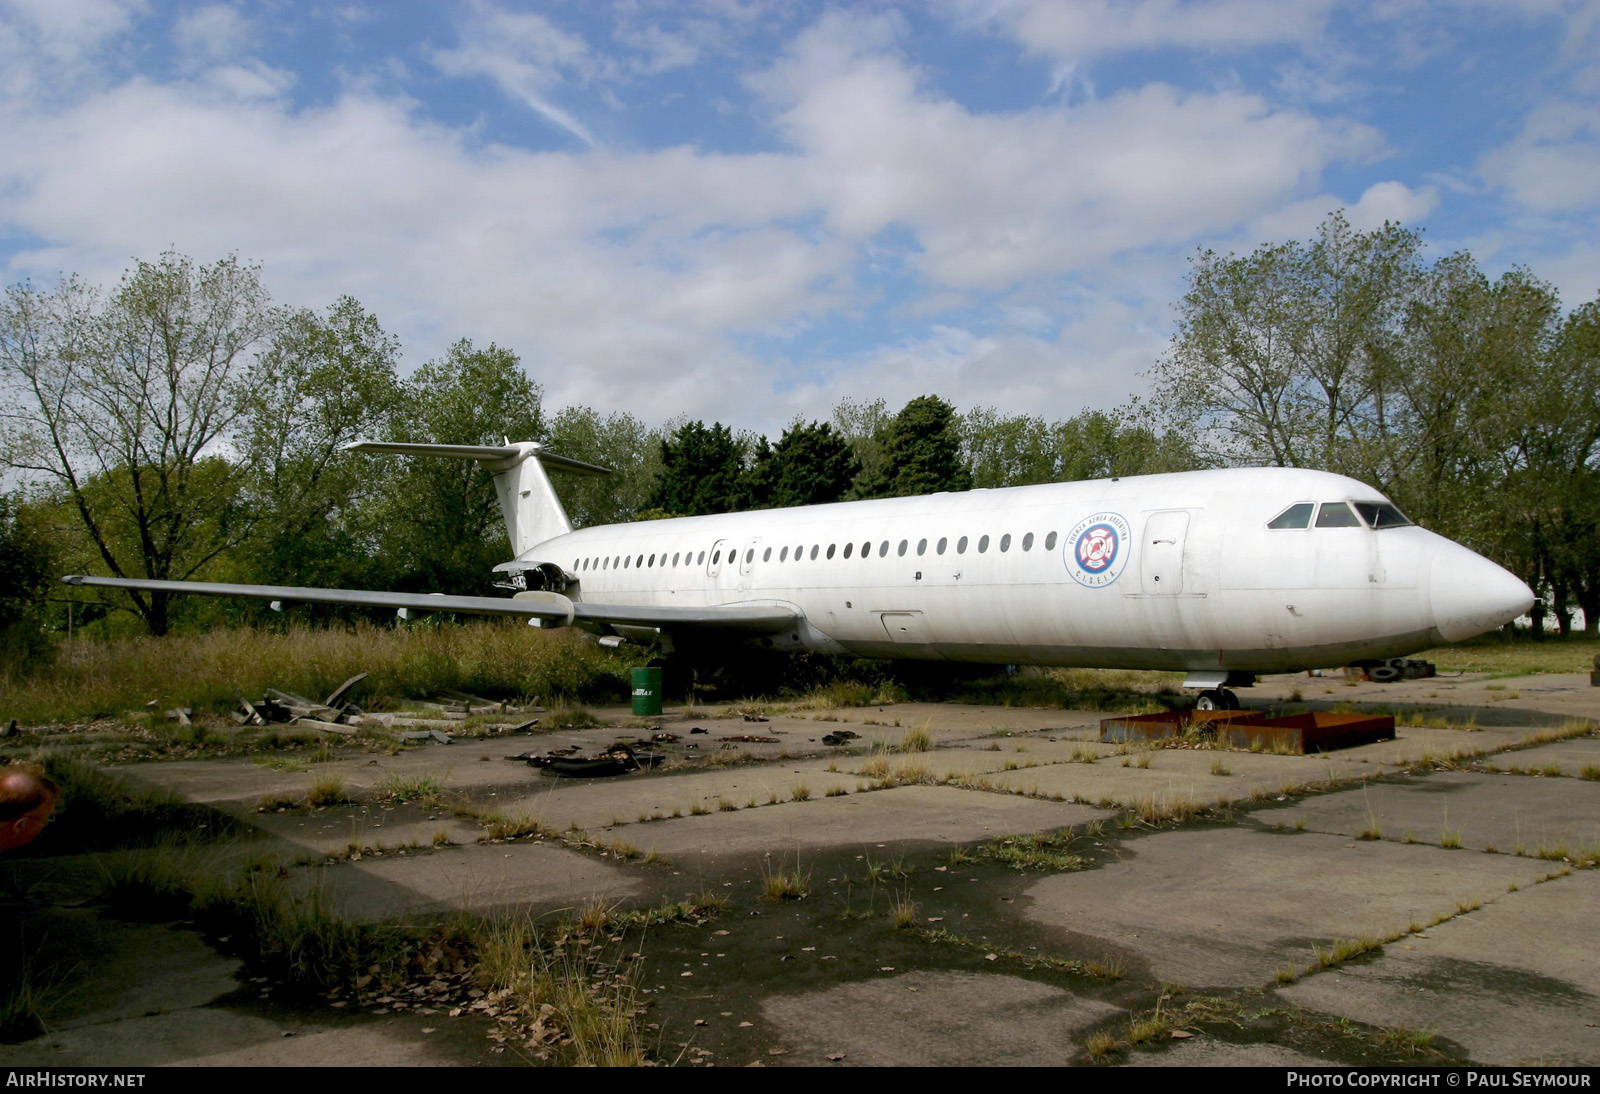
487	454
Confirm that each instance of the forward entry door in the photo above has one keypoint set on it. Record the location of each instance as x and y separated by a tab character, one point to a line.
1161	552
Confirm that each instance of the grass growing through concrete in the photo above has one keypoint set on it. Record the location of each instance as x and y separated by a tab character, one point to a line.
1045	851
783	882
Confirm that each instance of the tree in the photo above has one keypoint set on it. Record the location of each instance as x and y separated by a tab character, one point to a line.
810	465
864	427
922	453
1092	444
440	520
1017	450
619	441
1556	479
1277	354
702	471
327	380
124	404
26	565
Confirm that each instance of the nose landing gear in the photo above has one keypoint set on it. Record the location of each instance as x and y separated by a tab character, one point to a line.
1217	699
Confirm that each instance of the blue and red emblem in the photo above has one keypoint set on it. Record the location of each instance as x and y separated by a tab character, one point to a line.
1093	549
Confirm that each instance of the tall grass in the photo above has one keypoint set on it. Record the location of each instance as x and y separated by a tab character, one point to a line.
101	678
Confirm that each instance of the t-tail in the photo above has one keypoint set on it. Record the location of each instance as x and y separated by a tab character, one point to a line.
528	501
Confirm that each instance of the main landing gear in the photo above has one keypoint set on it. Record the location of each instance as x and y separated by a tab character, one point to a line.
1217	699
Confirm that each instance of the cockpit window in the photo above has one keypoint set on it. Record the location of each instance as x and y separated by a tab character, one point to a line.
1381	514
1336	514
1296	516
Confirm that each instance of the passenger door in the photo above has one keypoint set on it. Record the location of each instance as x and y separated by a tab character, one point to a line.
1161	552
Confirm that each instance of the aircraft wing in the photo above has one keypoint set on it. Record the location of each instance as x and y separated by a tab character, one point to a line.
733	618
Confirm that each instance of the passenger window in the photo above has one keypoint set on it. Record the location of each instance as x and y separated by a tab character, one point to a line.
1296	516
848	548
939	549
766	556
1381	515
813	552
1336	514
983	544
1027	542
652	560
883	548
1005	543
830	550
783	555
716	558
675	556
627	563
749	555
702	559
1050	542
901	552
866	548
961	545
922	547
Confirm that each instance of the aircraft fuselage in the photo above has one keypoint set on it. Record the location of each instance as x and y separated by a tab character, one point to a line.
1181	571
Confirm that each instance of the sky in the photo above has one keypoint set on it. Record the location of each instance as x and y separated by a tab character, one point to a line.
747	211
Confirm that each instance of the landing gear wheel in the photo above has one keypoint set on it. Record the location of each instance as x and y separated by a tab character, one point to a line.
1217	699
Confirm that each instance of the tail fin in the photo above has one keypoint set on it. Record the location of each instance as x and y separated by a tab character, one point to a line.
533	512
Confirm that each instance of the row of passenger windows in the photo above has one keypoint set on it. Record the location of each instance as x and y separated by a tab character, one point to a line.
817	550
1337	514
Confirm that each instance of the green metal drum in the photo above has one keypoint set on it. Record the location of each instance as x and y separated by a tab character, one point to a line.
647	692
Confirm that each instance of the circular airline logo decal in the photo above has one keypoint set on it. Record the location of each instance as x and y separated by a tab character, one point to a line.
1095	550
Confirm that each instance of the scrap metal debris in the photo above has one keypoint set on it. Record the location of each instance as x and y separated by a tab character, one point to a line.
619	759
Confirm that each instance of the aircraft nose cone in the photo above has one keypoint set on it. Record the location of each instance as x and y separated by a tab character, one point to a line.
1472	595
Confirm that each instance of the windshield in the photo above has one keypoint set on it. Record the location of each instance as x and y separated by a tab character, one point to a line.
1380	514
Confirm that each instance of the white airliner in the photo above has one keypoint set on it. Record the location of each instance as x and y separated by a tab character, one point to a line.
1221	574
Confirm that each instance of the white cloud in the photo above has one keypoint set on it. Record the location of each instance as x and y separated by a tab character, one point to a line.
49	47
1382	202
633	280
1553	165
526	56
1088	28
213	32
994	198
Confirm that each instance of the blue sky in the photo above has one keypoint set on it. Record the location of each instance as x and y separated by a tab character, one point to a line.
748	211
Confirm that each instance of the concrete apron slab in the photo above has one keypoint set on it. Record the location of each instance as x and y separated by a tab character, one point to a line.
1516	982
1510	813
1203	1052
1573	757
905	814
596	803
216	1036
475	878
1229	908
157	994
1171	774
942	1019
337	829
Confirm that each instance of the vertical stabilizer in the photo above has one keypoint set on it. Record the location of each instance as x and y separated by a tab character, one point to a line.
528	501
